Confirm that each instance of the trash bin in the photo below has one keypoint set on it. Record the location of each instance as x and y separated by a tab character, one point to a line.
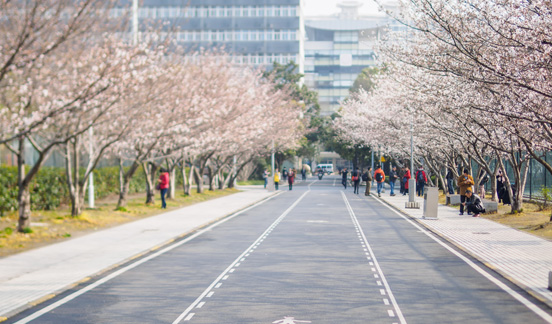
431	203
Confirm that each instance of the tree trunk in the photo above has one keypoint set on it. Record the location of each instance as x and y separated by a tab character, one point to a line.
222	180
150	186
172	182
191	177
124	182
24	195
185	182
211	174
199	180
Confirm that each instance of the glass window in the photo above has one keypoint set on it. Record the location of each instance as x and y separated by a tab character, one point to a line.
254	35
277	35
285	35
269	11
285	11
228	35
212	12
237	36
228	11
293	11
245	35
197	36
237	11
277	11
260	11
293	35
262	35
269	35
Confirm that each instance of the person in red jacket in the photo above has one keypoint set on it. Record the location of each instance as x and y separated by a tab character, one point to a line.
163	185
405	180
291	178
421	180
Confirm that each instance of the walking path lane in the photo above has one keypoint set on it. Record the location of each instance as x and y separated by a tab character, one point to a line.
39	274
522	258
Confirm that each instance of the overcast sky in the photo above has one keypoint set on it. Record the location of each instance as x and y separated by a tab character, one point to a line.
328	7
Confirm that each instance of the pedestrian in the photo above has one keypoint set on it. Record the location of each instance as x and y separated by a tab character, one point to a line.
500	188
276	179
465	182
421	180
265	177
473	204
405	179
379	175
291	178
450	180
163	185
344	177
484	179
285	173
393	176
355	179
367	177
304	174
401	176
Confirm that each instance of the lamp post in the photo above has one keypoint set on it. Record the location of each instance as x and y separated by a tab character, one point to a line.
412	182
91	203
273	172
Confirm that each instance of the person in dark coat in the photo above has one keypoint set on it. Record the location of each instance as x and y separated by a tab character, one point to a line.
291	178
421	180
393	176
450	180
355	179
473	203
344	177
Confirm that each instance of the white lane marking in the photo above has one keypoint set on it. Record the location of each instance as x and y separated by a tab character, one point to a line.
547	317
375	263
378	283
131	266
386	301
376	275
232	270
189	317
200	305
225	277
216	283
382	292
237	265
374	269
210	294
390	312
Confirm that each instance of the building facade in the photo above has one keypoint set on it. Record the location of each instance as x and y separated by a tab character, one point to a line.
337	48
255	32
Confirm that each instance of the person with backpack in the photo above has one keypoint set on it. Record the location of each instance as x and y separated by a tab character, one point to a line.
367	177
379	175
421	180
355	179
393	176
405	179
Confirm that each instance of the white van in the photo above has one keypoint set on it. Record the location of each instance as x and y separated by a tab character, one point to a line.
327	168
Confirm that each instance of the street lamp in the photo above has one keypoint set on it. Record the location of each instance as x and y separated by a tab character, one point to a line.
412	182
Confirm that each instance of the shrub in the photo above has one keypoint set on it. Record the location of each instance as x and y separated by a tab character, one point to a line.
546	198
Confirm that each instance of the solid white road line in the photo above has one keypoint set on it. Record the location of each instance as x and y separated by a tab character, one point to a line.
375	262
216	283
547	317
131	266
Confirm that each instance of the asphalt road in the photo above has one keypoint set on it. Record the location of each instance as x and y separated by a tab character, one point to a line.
316	254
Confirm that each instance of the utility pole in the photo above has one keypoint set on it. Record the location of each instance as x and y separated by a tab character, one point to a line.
91	203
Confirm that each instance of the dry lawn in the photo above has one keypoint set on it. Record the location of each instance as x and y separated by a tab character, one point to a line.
531	220
51	226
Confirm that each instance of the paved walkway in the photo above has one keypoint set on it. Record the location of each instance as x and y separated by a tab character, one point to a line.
29	277
521	257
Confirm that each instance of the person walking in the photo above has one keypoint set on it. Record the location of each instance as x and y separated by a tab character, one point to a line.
367	177
393	176
265	177
303	174
344	174
163	185
284	174
355	179
421	180
465	182
500	187
450	180
484	179
291	178
379	175
405	179
401	182
473	204
276	179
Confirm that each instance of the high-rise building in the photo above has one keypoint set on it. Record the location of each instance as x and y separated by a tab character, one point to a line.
255	32
337	48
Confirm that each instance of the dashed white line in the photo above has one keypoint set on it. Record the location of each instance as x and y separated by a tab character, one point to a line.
386	301
210	294
232	270
225	277
200	305
378	283
390	312
189	317
216	283
382	292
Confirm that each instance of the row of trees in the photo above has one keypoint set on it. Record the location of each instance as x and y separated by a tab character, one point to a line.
470	80
67	84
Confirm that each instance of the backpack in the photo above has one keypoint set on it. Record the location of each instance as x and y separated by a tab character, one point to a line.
420	176
365	177
379	177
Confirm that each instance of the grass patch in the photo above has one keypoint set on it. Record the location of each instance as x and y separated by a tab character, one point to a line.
58	224
251	183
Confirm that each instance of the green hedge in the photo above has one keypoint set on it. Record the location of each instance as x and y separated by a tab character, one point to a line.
49	187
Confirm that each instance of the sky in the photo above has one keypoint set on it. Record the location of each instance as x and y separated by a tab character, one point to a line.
329	7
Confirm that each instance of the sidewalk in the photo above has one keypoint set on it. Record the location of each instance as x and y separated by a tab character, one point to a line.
522	258
39	274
